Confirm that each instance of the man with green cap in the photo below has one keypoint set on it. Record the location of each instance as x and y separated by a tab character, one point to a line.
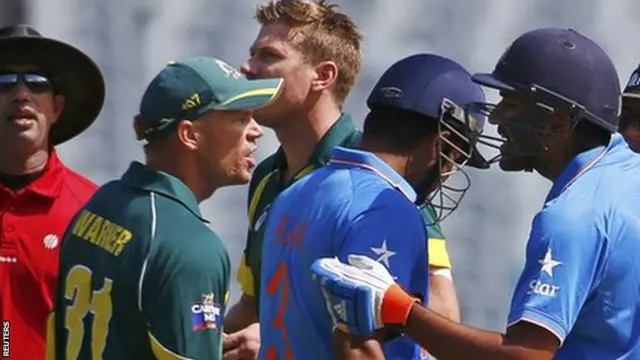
141	274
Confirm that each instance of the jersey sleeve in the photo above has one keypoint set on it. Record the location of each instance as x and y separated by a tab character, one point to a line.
564	259
394	235
245	275
438	254
183	299
257	185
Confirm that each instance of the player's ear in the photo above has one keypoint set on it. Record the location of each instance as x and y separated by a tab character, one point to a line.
326	73
188	135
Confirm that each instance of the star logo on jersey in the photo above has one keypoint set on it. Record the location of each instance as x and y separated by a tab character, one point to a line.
548	263
383	253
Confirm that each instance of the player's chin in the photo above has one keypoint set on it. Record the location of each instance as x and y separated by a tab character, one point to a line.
242	177
268	116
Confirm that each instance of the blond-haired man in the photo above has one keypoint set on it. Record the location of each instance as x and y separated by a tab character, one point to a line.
317	49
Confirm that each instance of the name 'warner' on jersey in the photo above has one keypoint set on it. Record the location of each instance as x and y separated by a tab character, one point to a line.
357	204
141	275
579	281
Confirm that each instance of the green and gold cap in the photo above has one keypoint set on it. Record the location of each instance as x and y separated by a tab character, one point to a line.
188	89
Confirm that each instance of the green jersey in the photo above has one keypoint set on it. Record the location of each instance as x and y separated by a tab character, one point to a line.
141	275
266	185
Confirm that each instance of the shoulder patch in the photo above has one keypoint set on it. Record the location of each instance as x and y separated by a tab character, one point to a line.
206	313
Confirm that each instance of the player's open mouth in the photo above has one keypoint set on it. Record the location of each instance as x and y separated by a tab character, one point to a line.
250	158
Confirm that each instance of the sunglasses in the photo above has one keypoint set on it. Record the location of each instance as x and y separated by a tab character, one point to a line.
36	83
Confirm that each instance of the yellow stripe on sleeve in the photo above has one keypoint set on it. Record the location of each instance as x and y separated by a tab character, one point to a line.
245	277
161	352
438	255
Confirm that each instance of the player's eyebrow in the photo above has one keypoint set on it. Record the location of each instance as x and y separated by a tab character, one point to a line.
266	46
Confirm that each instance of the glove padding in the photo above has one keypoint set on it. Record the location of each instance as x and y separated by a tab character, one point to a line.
355	294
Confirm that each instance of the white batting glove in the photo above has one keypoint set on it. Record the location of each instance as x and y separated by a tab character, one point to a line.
361	296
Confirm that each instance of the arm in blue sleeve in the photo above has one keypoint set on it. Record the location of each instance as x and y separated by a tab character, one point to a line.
564	260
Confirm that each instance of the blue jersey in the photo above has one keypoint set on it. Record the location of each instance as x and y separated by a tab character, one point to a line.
581	280
357	204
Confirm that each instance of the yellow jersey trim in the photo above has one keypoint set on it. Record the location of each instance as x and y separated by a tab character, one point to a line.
245	277
438	255
161	352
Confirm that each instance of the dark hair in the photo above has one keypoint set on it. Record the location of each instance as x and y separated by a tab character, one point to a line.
402	130
142	131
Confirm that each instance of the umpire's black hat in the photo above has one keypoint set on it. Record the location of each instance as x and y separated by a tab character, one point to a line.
74	75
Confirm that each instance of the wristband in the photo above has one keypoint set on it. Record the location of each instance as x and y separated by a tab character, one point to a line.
396	305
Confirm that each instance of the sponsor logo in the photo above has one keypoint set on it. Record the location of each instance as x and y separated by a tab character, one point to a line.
206	314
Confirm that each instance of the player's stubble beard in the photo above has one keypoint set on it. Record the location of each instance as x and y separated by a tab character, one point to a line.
427	185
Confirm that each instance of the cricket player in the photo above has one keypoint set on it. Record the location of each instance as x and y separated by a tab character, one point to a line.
630	117
320	65
50	92
577	297
141	274
364	202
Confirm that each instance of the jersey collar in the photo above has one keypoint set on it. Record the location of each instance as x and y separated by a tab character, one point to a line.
49	184
343	157
142	177
340	131
582	163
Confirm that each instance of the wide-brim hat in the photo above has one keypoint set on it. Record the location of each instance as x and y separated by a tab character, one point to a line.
74	75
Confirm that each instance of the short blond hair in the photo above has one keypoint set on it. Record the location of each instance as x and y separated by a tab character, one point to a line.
321	32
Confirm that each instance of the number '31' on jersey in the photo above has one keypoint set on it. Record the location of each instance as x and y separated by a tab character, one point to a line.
141	275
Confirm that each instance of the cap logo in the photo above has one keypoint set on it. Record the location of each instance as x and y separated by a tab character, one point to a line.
228	69
391	92
192	102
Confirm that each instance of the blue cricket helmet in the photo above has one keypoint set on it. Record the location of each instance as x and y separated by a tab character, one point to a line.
561	67
423	83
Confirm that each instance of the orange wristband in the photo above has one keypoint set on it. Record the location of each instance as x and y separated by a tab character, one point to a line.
396	305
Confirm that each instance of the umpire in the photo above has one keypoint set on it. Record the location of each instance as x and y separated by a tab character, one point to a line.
50	92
